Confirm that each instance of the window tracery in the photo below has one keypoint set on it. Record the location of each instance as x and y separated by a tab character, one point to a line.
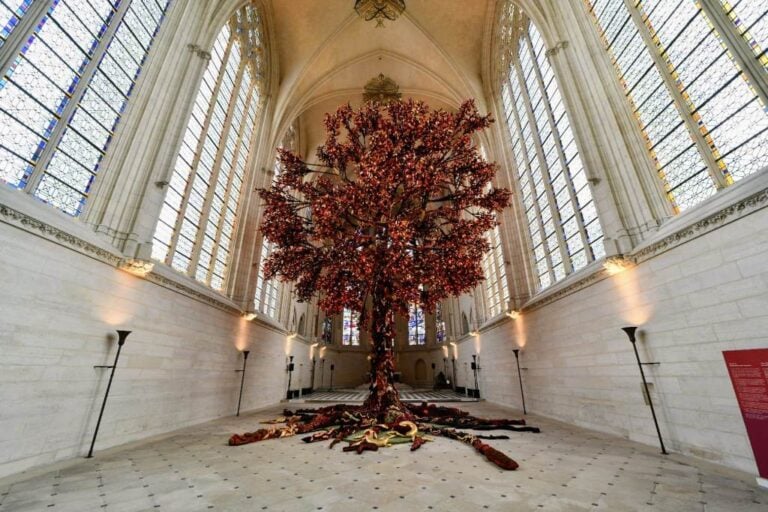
61	99
199	217
564	230
705	123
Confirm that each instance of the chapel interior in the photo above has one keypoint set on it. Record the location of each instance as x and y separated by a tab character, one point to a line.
135	136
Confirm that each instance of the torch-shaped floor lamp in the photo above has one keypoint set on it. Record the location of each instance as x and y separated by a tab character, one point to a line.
520	377
242	380
289	368
121	337
630	331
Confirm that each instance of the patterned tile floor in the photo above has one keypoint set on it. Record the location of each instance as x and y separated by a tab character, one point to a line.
407	395
562	469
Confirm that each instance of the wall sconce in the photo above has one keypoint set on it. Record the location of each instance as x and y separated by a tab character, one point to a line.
630	331
137	267
249	315
617	264
513	314
520	377
121	337
242	380
292	335
289	369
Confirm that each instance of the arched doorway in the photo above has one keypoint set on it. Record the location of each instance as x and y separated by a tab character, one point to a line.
420	372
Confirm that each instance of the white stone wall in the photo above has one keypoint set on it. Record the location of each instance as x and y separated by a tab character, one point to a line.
691	303
59	311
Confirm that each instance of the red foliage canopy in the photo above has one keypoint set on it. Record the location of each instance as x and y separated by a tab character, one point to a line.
397	208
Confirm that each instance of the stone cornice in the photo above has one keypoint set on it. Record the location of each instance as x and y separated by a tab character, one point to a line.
88	244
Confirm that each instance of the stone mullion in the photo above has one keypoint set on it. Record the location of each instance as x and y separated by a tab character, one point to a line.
551	204
196	160
563	162
684	105
21	34
546	178
235	155
74	101
738	47
127	200
239	148
216	171
527	170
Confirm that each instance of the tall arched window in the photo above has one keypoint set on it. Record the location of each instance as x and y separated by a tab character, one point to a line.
199	217
496	288
562	219
416	327
265	298
61	98
350	330
697	91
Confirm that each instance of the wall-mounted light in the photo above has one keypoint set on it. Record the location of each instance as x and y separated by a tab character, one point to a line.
249	315
121	337
617	264
630	332
242	380
513	314
136	267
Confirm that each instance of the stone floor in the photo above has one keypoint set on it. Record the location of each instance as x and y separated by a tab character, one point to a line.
564	469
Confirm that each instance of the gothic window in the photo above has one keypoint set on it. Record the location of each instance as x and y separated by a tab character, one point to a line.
556	198
496	288
199	218
62	97
416	327
439	324
693	72
350	333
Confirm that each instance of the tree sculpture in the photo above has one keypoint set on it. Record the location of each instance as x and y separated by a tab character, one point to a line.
394	213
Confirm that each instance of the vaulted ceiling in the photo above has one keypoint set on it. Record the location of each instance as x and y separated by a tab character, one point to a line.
326	54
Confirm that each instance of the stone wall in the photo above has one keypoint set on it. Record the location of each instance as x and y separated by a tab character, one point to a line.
60	309
690	303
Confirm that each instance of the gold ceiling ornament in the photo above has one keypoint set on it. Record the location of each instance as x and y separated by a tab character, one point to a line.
381	89
379	10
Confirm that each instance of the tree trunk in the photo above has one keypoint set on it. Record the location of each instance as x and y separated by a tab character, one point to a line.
383	402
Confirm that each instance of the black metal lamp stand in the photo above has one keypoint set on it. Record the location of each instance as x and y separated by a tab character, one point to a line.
333	366
312	385
289	369
121	337
453	360
520	377
630	331
322	372
475	369
242	380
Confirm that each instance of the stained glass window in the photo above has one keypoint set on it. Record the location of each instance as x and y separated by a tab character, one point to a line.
327	330
439	324
198	220
496	288
704	122
562	219
11	12
350	331
62	97
416	327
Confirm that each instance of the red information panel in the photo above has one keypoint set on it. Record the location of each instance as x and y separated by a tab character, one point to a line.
749	375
